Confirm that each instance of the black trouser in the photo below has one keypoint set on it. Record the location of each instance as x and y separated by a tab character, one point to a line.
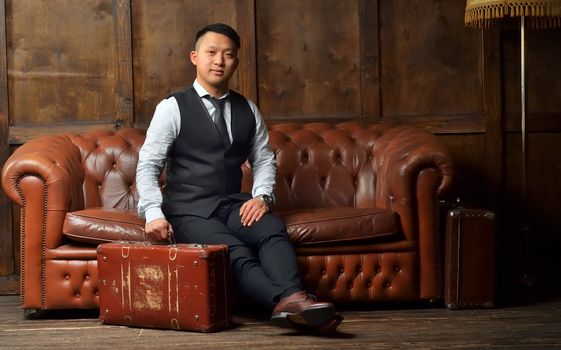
262	258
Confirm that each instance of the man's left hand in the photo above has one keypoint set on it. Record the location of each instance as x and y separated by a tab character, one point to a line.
252	211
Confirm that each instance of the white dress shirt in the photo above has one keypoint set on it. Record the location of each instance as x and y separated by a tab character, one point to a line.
160	136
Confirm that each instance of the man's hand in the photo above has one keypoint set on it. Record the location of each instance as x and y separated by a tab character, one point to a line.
252	211
159	229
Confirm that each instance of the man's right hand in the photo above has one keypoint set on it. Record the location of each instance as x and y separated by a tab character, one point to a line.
159	229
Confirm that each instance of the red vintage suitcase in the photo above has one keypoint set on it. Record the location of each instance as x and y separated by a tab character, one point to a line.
181	287
469	266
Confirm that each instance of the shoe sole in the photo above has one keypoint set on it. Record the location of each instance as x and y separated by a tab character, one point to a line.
309	317
282	320
326	328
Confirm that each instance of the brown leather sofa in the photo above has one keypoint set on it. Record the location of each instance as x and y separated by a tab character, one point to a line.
360	203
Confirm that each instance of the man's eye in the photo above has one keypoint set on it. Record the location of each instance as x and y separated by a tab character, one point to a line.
211	52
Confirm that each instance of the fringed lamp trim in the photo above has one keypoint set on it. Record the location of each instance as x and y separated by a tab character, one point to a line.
503	13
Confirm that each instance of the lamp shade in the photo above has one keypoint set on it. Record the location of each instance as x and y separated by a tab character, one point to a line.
506	13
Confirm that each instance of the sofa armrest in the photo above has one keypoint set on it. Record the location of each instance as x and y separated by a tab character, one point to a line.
413	169
44	177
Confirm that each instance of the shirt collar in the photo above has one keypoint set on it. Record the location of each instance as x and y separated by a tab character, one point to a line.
201	91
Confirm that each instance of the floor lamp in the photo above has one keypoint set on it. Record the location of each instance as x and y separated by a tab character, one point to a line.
510	14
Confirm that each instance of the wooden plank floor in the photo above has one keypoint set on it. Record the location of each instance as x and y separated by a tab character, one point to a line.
533	326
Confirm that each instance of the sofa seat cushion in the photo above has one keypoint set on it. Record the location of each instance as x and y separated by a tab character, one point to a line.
102	225
340	225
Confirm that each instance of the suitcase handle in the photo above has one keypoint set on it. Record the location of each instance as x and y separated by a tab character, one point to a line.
171	240
173	243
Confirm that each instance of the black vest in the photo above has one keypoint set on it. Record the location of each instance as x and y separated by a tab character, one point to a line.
201	170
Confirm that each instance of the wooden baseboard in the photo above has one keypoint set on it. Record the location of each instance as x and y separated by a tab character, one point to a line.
9	285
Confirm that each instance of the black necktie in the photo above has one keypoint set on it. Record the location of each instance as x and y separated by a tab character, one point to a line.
219	118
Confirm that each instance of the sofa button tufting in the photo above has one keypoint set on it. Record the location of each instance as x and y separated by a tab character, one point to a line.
77	295
397	269
67	277
87	277
387	284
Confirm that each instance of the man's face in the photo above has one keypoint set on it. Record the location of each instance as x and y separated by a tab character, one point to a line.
216	59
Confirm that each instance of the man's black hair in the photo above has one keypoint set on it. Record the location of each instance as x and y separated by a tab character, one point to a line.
220	28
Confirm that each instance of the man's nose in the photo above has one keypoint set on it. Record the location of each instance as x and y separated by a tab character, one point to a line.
219	60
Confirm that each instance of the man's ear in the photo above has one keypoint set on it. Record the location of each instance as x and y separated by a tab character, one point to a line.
194	57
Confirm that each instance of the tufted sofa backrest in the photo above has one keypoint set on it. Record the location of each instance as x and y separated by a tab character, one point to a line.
323	165
318	165
109	160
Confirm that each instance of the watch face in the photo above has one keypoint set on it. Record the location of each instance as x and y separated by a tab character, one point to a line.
267	199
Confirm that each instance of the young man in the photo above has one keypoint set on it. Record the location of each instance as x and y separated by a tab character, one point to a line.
205	133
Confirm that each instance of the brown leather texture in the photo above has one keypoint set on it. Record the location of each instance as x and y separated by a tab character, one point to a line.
470	259
339	225
102	225
381	183
180	287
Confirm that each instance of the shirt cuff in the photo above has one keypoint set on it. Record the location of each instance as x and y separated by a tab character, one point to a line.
153	214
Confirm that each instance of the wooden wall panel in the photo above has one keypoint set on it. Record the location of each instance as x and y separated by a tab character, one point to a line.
467	150
429	60
60	71
308	59
543	85
369	44
163	36
534	253
123	66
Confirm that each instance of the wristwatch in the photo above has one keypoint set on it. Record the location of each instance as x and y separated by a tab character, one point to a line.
267	199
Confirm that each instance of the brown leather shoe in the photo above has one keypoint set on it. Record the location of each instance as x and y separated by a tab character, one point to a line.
301	308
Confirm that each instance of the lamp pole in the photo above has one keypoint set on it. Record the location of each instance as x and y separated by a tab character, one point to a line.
523	108
527	274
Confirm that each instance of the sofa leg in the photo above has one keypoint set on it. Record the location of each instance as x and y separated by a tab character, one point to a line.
33	314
